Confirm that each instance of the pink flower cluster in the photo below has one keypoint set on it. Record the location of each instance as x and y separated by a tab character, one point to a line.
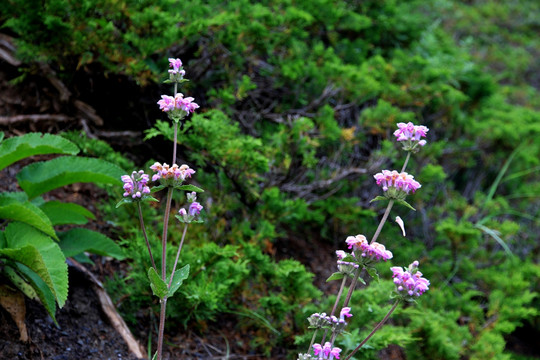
176	65
178	102
373	251
411	132
410	280
401	181
326	351
173	172
135	185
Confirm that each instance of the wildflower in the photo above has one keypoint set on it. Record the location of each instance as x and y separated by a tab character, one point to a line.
168	174
345	312
176	74
325	351
177	107
396	185
410	135
192	196
369	252
136	184
195	208
409	281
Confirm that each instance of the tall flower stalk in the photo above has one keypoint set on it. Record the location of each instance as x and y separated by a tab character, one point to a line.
170	177
365	254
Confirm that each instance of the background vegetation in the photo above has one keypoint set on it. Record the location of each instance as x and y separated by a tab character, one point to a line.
298	103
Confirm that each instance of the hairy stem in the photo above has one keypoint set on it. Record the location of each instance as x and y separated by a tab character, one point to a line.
383	220
161	327
351	288
340	292
141	220
312	341
178	254
379	325
164	236
406	161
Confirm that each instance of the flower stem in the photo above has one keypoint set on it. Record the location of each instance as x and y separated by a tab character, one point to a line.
351	288
374	330
340	292
383	220
141	220
161	327
406	161
164	236
312	341
178	254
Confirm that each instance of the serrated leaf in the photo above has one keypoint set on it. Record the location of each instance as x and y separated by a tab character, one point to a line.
159	288
38	178
13	207
41	289
20	147
179	276
335	276
66	213
41	254
406	204
189	187
78	240
378	198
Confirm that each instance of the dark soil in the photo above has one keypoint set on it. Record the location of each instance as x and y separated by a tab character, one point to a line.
84	331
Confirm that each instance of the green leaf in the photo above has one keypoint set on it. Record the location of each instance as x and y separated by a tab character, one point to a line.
379	198
13	206
20	283
189	187
20	147
43	291
159	288
373	273
77	241
157	188
66	213
38	178
40	253
1	136
406	204
179	276
124	201
335	276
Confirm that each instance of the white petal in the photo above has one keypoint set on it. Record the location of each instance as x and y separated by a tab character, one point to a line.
401	224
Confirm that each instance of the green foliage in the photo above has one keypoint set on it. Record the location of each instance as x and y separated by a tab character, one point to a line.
305	96
32	253
41	177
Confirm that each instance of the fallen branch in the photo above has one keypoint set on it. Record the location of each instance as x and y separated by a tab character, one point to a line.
7	120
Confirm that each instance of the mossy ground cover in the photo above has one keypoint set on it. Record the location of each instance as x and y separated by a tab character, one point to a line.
298	102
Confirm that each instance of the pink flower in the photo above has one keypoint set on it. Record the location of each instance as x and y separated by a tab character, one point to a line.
135	185
195	208
345	312
410	280
355	242
400	181
176	64
324	352
411	132
166	103
174	172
